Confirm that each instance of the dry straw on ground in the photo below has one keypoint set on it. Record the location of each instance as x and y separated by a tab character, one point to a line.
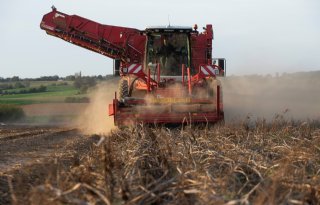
277	163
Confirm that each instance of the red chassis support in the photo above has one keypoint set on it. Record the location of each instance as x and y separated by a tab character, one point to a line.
194	111
166	118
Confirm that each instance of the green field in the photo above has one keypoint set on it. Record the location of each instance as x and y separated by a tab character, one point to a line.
55	93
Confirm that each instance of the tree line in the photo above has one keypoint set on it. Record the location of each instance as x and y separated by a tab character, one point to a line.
17	85
53	78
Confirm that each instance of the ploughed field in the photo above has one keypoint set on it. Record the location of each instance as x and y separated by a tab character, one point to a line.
29	153
239	163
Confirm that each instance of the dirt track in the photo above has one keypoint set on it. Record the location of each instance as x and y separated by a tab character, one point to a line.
24	145
54	109
28	147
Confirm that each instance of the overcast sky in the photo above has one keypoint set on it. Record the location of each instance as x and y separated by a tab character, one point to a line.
255	36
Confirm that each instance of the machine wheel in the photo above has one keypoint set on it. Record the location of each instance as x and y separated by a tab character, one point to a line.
123	89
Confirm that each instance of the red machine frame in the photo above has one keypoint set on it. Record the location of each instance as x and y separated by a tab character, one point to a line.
129	46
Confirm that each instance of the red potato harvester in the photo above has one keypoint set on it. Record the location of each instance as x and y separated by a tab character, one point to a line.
167	73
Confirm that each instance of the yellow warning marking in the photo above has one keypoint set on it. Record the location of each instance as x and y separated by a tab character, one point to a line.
170	100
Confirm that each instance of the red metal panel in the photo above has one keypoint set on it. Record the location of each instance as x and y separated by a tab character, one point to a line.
129	118
111	109
201	48
189	81
134	69
112	41
148	81
192	101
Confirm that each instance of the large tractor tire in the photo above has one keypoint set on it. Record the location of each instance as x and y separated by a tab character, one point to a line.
123	89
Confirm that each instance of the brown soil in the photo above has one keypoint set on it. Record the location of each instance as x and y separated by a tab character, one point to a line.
54	109
27	152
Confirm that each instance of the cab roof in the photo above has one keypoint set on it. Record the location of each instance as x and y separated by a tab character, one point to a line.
168	29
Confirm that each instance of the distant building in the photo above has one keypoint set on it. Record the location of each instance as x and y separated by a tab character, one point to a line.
77	75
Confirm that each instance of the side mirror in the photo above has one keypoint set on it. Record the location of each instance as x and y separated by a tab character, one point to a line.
221	63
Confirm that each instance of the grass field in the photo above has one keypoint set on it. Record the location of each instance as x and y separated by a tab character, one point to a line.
11	113
60	102
55	93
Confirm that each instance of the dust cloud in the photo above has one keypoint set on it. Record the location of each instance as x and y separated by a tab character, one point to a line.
294	96
95	118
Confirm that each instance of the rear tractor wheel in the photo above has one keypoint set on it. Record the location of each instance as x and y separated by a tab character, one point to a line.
123	89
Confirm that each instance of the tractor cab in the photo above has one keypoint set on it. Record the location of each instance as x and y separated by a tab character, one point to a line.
169	47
